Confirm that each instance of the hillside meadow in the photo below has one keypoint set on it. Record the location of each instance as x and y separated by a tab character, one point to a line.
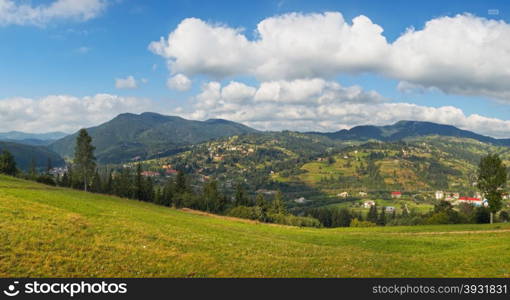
56	232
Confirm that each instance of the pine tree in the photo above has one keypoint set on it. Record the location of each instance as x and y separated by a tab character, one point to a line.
240	196
32	171
381	220
278	205
372	215
139	188
8	163
49	165
492	176
84	160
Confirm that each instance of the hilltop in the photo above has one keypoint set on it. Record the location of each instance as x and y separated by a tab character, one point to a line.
56	232
130	136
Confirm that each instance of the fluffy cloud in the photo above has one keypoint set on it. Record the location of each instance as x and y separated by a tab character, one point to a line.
463	54
126	83
179	82
15	13
327	106
65	113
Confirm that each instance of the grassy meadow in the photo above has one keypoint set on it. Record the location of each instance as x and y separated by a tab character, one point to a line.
55	232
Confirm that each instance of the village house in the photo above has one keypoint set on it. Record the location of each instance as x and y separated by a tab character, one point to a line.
343	194
396	195
363	194
390	209
439	195
170	172
300	200
368	204
150	174
473	201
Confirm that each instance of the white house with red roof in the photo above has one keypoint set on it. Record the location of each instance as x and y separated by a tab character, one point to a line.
473	201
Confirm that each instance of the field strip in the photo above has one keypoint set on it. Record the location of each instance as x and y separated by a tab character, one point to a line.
451	232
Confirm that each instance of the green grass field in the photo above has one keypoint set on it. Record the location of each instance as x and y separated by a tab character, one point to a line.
55	232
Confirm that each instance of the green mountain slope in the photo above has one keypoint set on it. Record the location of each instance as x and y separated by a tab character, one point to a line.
148	134
55	232
409	129
24	154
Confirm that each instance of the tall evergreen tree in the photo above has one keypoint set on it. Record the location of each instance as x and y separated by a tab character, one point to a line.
84	160
240	196
278	205
372	215
492	176
33	169
49	165
139	184
8	163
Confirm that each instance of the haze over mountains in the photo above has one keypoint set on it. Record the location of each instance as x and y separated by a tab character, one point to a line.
35	139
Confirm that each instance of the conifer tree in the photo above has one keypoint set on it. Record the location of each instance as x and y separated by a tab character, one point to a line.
84	160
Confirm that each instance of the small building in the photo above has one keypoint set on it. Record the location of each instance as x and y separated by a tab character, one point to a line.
343	195
171	172
150	174
439	195
368	204
470	200
300	200
362	194
390	209
396	195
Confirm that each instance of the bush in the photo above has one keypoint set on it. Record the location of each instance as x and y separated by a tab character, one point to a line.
246	212
357	223
46	179
293	220
504	216
482	215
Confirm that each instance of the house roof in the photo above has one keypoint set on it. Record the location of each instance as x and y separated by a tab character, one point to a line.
470	199
396	193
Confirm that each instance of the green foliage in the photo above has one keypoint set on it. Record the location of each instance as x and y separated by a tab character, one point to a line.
357	223
7	163
492	177
84	162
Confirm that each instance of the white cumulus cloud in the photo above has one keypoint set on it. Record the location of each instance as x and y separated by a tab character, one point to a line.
126	83
319	105
179	82
23	13
463	54
65	113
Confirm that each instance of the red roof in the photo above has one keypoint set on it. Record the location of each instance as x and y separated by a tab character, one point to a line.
396	193
469	199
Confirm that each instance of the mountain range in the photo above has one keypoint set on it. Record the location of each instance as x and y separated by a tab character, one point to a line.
146	135
34	139
408	129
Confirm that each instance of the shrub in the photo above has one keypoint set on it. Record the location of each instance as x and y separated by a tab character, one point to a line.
504	216
357	223
245	212
292	220
46	179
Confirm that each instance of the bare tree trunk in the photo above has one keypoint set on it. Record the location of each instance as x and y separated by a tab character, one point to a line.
85	177
492	217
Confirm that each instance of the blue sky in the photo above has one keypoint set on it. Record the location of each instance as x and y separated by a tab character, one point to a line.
78	56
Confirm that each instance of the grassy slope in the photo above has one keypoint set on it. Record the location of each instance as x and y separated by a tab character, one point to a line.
48	231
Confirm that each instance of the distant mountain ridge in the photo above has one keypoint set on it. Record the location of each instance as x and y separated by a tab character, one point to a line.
33	139
408	129
148	134
24	154
18	135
